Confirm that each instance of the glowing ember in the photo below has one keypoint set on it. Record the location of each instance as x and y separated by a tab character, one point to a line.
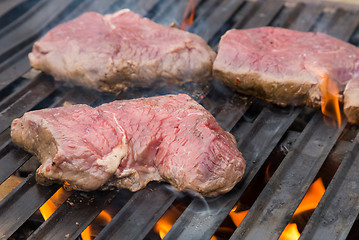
50	206
102	219
330	99
188	15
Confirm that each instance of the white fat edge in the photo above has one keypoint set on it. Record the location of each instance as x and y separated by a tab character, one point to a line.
153	171
196	113
109	16
126	173
112	160
111	26
124	139
125	10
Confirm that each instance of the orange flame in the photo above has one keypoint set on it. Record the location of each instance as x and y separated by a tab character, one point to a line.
237	217
290	232
312	197
50	206
330	99
187	20
166	221
310	201
53	203
102	219
162	227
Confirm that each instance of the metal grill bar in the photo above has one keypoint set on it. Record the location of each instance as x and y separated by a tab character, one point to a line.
50	227
72	217
150	210
11	157
200	221
13	66
344	26
140	214
6	6
215	21
245	13
28	29
286	188
26	101
339	207
306	17
326	20
171	12
264	14
256	140
4	139
230	114
22	87
11	161
21	203
142	7
191	226
164	201
203	9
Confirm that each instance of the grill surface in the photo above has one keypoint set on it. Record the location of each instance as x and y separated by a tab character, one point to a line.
21	90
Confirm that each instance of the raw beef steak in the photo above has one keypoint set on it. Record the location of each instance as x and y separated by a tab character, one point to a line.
116	51
126	144
287	67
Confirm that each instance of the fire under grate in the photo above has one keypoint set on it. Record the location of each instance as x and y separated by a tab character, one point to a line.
259	127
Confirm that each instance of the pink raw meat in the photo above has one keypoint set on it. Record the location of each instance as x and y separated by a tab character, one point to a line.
126	144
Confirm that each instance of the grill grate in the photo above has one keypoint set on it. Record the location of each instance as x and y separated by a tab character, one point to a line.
74	211
258	134
288	185
326	222
255	147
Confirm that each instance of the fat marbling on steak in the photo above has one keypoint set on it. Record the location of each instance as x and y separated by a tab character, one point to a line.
128	143
116	51
286	67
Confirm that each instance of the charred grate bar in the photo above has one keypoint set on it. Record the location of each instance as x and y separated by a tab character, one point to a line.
339	207
258	137
199	222
288	185
11	159
137	215
74	214
19	205
26	99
